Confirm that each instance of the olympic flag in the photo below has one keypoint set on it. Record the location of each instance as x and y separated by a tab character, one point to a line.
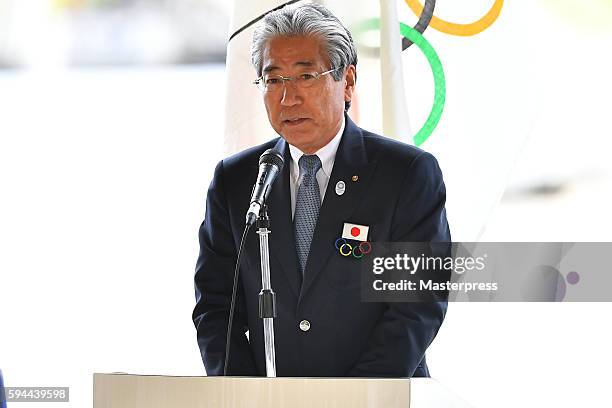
485	120
394	111
246	122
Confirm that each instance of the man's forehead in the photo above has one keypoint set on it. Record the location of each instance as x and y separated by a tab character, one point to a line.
271	65
293	52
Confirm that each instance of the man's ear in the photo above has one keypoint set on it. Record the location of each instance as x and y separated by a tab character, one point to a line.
350	77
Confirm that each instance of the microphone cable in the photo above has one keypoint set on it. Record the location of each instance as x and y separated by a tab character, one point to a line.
233	302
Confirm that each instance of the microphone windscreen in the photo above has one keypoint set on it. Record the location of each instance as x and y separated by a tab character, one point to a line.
273	157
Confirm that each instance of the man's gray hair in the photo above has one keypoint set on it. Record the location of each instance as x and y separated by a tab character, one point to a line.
306	20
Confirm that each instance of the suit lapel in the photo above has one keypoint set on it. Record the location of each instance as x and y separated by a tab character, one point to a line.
350	160
282	238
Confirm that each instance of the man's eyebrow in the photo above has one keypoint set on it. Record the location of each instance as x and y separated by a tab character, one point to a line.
271	68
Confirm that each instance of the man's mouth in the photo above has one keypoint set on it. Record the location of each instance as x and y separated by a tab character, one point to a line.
294	121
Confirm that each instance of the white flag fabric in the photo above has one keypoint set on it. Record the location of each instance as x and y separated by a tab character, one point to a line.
246	121
394	112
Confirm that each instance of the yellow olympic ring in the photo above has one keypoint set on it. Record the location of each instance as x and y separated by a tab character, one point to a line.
349	252
460	29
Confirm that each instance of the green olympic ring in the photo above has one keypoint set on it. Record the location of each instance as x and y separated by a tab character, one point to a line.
436	67
355	256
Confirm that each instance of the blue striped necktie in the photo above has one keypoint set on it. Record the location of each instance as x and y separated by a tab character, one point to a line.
307	206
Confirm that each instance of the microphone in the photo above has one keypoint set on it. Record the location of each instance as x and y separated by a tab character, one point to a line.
270	165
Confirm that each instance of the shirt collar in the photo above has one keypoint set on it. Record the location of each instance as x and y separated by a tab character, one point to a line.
327	154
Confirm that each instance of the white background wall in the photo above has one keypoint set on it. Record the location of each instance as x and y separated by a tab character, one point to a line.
103	176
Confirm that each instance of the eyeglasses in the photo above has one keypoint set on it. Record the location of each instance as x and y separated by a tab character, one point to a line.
273	83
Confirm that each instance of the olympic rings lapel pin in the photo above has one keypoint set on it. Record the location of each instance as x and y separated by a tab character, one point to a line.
346	245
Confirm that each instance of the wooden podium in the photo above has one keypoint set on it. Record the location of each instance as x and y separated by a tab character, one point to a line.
152	391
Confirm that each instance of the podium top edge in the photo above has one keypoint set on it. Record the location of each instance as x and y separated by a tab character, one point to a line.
254	378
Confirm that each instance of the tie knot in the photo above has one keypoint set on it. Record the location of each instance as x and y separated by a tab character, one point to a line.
309	164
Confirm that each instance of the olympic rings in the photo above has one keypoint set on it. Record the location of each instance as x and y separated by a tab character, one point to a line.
436	67
424	19
460	29
439	83
345	249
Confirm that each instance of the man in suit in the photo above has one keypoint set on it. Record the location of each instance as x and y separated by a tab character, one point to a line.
306	61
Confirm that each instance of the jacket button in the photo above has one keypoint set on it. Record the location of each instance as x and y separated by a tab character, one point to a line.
304	325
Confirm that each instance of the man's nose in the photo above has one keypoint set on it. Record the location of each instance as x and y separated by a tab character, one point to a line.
291	94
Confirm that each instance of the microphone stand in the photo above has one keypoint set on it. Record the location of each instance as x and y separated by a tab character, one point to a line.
267	298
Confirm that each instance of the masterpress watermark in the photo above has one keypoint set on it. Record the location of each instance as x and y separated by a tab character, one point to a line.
35	394
487	271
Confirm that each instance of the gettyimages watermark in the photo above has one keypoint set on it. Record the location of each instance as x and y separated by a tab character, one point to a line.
487	272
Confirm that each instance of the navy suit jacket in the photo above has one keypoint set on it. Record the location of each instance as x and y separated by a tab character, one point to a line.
399	194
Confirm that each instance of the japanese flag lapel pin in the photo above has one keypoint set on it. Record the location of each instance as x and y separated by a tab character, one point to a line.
355	232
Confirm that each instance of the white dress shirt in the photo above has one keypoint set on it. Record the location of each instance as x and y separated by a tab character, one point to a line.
327	155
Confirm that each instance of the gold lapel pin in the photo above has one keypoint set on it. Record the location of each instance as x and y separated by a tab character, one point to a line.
355	177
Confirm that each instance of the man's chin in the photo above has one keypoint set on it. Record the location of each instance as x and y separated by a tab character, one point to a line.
296	138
